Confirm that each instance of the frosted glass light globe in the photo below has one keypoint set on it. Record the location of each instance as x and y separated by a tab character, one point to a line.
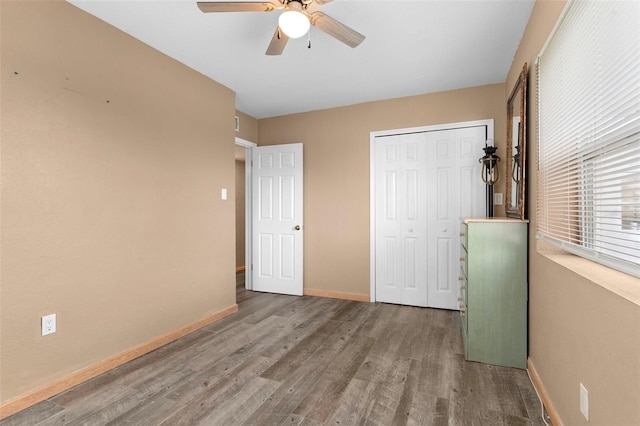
293	23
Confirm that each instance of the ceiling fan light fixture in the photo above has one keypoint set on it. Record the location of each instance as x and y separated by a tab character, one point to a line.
293	22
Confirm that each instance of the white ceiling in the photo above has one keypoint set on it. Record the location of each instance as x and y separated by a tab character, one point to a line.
412	47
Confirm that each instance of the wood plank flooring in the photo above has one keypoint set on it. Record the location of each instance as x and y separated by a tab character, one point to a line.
303	361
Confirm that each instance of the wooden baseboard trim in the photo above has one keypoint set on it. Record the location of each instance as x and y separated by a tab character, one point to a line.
44	392
336	295
240	269
546	402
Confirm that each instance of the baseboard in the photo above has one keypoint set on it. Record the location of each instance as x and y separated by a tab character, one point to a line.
336	295
240	269
44	392
546	402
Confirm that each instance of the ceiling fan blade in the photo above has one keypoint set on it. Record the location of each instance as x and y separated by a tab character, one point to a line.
238	6
336	29
278	43
315	6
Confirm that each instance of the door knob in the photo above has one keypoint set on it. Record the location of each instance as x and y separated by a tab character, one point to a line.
297	228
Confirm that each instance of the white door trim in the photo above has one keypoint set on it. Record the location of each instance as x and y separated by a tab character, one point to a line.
248	197
372	186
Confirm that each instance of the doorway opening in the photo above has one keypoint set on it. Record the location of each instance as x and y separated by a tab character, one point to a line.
244	198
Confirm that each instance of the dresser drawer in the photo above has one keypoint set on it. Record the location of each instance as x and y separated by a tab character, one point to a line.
463	288
464	262
463	321
462	300
464	238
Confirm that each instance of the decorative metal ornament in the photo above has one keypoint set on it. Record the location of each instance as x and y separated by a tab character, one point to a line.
515	173
490	172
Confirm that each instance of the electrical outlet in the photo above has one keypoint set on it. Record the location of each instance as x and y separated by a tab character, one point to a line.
48	324
584	401
497	198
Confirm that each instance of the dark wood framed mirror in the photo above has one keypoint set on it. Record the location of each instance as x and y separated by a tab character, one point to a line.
517	148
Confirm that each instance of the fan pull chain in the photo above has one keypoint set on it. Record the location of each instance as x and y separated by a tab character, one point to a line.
309	39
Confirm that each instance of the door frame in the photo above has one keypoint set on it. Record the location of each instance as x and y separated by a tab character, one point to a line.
489	134
248	219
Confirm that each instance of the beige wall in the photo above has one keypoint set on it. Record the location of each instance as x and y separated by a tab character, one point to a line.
113	156
248	127
336	172
579	331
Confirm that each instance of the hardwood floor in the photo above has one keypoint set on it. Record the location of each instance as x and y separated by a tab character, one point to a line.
303	361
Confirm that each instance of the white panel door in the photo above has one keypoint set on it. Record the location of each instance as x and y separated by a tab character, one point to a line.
424	183
277	219
401	225
455	190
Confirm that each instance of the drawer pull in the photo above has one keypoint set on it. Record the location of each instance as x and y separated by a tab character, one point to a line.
460	278
462	234
462	287
461	258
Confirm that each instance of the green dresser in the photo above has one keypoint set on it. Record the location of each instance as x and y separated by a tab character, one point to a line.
493	291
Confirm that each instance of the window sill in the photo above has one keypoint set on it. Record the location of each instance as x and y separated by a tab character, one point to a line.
624	285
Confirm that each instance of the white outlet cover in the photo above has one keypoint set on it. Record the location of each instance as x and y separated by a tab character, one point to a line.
48	324
497	199
584	401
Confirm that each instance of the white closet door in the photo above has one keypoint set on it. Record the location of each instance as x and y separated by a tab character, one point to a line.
424	183
455	190
401	228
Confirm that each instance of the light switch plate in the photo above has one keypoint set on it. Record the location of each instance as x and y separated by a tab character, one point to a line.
497	199
223	193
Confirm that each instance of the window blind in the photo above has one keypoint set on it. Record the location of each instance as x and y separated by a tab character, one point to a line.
588	95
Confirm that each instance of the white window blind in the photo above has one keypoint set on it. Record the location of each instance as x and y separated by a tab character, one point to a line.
588	94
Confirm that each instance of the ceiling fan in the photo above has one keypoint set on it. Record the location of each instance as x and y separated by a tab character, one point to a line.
294	22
